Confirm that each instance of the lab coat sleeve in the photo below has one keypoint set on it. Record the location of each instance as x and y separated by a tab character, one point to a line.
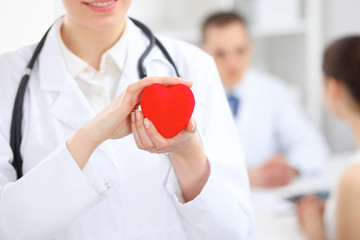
222	210
304	146
48	197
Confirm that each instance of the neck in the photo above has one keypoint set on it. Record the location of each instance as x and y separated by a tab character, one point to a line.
232	87
354	122
90	44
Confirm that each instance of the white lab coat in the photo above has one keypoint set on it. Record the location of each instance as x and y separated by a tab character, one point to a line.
123	192
269	122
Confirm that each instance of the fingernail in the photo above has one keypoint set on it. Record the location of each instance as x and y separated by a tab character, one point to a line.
193	126
132	117
146	123
138	115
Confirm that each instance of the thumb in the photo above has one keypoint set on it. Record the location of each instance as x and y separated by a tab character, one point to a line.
191	126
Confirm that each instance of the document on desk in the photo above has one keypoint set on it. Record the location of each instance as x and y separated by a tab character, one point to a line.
269	202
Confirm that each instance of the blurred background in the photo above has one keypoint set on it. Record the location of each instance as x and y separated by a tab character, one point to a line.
290	36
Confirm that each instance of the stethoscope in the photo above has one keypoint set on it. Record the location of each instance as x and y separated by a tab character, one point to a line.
15	134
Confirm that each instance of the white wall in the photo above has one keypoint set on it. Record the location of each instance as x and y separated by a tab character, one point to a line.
342	18
180	19
23	22
161	14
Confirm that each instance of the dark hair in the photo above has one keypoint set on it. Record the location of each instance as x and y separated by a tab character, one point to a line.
342	62
221	19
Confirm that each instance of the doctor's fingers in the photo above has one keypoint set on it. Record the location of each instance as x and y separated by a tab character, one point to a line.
274	178
290	174
140	126
276	161
167	81
191	125
161	143
139	86
143	142
167	145
133	91
135	132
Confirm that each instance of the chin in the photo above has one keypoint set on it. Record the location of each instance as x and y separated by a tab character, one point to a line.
103	23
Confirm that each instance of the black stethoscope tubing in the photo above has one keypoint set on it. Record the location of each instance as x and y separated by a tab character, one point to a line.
16	126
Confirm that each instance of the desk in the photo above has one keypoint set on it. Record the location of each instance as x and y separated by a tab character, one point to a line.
275	217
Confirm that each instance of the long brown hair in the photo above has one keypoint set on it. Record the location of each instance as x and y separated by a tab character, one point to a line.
342	62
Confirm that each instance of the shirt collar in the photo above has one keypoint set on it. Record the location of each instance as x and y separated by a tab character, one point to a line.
75	65
118	51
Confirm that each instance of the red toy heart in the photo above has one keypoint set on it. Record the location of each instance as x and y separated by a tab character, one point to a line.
168	108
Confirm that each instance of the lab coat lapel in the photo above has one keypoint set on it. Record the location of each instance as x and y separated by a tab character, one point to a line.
70	106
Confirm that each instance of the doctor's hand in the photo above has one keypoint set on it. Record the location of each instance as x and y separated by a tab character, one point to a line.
275	172
149	139
113	122
185	151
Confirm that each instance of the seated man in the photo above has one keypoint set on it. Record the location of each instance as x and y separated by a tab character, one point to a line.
278	140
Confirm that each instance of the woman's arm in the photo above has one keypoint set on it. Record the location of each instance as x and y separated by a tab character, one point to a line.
348	207
310	215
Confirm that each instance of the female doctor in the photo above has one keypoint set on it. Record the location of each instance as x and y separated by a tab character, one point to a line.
84	89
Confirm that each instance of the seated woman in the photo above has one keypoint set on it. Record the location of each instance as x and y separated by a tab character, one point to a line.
341	216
